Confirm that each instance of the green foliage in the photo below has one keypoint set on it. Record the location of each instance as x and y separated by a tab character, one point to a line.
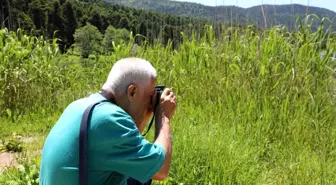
27	173
88	39
13	144
264	15
116	36
27	66
61	18
253	107
70	24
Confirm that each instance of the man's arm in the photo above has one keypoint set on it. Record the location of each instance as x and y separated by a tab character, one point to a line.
163	136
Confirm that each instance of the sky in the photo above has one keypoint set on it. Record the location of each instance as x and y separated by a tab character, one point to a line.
328	4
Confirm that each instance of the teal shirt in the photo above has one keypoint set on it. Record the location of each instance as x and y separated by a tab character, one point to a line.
116	149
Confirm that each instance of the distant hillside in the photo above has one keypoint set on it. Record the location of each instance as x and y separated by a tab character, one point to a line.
44	18
273	14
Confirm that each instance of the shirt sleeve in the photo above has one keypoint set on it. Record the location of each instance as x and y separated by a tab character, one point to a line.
117	145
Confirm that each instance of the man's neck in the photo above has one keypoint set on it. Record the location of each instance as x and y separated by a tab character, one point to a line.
109	96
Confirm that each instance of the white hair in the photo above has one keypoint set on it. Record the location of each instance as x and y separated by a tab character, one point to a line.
127	71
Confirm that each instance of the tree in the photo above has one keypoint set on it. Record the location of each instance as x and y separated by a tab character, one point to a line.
95	20
6	14
70	22
124	22
114	35
38	11
88	39
55	20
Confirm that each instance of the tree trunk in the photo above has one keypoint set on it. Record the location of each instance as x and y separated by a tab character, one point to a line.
2	19
9	16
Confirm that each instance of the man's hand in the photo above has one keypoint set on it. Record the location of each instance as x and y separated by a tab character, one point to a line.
167	104
165	111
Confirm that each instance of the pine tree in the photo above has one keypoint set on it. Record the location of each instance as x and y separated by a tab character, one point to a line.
70	23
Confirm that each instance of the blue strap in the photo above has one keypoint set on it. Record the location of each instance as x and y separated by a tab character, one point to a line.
83	172
83	143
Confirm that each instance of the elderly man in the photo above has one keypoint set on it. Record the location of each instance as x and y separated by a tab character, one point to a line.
117	153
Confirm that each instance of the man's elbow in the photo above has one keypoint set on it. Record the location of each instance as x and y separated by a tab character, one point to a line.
160	176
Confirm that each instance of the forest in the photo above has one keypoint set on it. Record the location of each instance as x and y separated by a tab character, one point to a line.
61	18
256	105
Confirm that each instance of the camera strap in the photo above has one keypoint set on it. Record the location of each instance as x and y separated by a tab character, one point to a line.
83	139
156	104
150	124
83	135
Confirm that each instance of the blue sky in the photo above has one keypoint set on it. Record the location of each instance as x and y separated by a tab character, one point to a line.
328	4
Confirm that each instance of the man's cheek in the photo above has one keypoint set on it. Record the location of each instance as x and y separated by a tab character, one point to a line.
148	113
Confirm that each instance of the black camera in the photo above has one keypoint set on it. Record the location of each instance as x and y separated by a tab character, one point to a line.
159	90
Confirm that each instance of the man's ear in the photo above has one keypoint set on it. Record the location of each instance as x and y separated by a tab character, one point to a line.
131	92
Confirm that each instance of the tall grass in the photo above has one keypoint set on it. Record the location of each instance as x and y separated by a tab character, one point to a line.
253	107
29	74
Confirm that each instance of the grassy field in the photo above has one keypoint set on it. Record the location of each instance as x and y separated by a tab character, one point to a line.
253	108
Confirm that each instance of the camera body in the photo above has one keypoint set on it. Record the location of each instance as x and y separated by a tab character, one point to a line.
159	90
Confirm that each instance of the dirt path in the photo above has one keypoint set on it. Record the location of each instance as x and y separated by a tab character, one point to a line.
9	159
